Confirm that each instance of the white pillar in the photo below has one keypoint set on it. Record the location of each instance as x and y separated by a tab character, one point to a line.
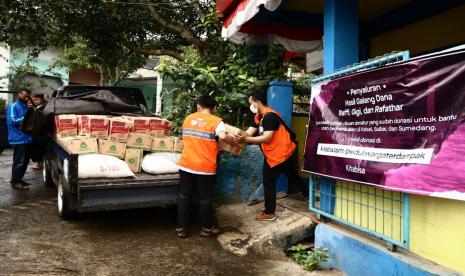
4	70
159	90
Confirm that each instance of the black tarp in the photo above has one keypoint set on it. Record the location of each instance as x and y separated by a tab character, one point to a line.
100	102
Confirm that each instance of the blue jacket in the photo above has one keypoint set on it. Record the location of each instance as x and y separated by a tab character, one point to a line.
14	115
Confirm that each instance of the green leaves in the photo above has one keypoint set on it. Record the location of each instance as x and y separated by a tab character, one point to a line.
309	258
225	73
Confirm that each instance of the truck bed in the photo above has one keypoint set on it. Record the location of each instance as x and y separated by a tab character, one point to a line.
101	194
144	190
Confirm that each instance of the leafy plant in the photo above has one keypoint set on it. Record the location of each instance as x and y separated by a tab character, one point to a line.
2	107
229	72
309	258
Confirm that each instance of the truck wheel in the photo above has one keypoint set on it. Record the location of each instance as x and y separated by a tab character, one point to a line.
47	176
63	202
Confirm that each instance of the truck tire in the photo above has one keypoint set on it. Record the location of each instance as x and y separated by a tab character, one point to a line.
63	200
47	176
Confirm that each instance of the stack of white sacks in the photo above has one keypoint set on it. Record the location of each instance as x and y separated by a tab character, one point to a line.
103	142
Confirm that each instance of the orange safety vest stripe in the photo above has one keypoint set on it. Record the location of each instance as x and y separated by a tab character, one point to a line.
280	147
200	147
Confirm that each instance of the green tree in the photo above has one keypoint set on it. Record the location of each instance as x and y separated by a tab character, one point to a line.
116	37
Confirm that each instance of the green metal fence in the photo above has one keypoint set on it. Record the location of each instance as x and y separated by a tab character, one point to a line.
383	214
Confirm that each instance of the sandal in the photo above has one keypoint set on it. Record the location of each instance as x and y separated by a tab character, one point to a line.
181	232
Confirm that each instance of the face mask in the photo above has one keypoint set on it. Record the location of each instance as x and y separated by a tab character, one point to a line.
253	109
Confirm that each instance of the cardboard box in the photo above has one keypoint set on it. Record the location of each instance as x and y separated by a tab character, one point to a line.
66	125
133	158
98	127
77	145
167	125
140	141
140	124
165	144
231	131
84	124
159	133
156	127
178	145
112	148
119	129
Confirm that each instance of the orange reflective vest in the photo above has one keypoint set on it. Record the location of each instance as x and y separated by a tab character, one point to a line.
200	146
280	147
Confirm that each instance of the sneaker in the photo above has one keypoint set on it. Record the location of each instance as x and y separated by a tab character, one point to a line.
181	232
208	232
265	217
260	211
19	186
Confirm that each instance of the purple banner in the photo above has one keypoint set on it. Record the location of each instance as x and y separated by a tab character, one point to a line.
400	127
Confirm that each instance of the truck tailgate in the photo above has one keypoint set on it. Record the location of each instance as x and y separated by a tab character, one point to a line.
144	190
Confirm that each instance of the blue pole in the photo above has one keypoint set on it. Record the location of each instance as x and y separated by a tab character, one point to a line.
279	97
340	48
406	220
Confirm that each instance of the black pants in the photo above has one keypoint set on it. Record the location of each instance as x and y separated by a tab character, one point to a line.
205	185
21	156
38	149
270	175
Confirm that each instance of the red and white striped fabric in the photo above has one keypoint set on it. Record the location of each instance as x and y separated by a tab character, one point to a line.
239	27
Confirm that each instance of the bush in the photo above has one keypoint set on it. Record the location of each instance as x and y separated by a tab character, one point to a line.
309	258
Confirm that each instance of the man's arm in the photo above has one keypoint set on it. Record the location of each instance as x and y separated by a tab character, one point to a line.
251	131
265	138
228	139
14	118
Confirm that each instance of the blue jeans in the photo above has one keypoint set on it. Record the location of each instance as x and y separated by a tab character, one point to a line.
21	156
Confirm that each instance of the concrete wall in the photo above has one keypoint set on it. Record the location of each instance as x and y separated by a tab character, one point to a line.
239	178
357	255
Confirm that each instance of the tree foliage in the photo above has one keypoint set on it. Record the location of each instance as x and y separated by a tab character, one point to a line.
116	37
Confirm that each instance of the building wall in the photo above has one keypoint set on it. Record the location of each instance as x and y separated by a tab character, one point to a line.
436	225
299	127
437	230
436	32
42	64
148	89
84	77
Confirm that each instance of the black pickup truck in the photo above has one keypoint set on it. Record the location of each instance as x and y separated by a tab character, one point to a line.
77	195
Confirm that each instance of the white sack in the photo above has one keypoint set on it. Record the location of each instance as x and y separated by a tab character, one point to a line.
161	162
99	165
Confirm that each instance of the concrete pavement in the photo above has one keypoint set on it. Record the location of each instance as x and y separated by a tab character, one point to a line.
34	240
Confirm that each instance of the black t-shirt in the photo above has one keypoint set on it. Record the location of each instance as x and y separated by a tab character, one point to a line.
270	122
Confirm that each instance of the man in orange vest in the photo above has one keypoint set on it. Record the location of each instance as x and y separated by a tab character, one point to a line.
276	141
197	165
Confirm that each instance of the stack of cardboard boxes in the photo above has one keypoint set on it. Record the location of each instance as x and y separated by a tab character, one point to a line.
125	137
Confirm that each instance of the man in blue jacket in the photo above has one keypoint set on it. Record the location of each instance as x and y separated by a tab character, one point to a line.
19	141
